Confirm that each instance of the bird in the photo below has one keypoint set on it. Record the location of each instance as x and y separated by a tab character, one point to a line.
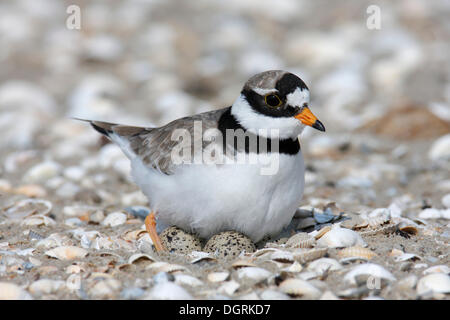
239	168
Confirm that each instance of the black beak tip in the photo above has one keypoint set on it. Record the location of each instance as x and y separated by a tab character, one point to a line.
319	126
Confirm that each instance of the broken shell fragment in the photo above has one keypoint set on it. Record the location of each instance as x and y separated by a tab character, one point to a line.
67	253
139	257
45	286
437	269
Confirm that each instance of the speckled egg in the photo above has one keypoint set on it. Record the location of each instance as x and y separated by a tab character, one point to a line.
229	244
176	240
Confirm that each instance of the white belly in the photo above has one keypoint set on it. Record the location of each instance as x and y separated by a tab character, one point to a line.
210	199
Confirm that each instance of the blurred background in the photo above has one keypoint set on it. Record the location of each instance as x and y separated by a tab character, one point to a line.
378	72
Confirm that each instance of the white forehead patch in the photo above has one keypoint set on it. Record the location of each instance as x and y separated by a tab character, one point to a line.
263	92
298	97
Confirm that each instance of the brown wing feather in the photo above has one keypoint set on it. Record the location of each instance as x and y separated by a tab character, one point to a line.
153	145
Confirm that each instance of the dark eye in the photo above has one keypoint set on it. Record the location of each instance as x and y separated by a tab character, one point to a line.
272	100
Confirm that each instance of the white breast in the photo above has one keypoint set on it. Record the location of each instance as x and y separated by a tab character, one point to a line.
208	199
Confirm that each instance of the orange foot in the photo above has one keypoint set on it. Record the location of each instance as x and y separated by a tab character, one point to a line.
150	225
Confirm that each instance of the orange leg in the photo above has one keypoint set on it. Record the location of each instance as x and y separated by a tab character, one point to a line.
150	225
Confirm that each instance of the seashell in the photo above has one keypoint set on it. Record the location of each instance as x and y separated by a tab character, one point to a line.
105	289
132	293
67	253
396	252
188	280
323	265
339	237
321	232
161	277
300	240
378	217
407	256
434	283
44	270
263	252
308	275
328	295
370	270
176	240
229	287
42	172
355	253
306	255
282	256
27	207
45	286
294	268
38	220
299	288
240	263
229	244
303	212
73	282
11	291
166	267
31	190
197	256
138	211
407	283
114	219
437	269
355	222
74	268
446	200
168	291
270	294
305	223
134	235
139	257
218	276
253	274
35	261
408	228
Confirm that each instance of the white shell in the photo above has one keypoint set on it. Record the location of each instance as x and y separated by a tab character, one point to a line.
407	283
341	237
168	291
197	256
407	256
218	276
437	269
67	253
446	200
434	283
369	269
46	286
166	267
188	280
114	219
27	207
105	288
355	253
229	287
140	257
282	256
299	287
11	291
38	220
73	282
305	255
253	274
270	294
295	267
322	265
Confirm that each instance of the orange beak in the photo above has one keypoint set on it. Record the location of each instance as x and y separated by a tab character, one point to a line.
306	117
